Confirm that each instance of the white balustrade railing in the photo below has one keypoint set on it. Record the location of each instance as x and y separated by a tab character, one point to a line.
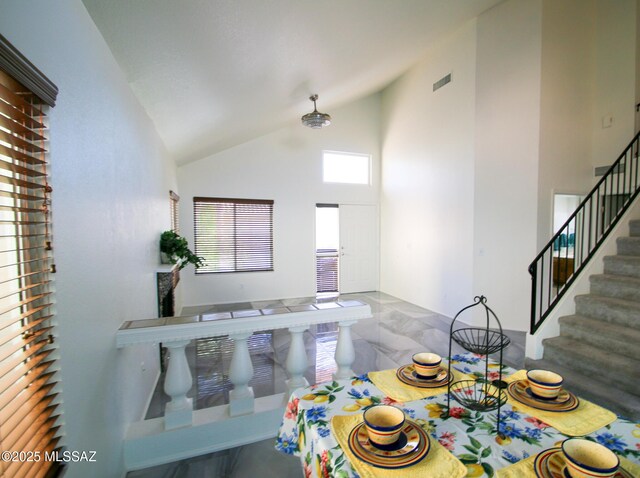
175	333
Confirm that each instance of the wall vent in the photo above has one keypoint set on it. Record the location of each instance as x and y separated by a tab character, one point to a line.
601	170
441	82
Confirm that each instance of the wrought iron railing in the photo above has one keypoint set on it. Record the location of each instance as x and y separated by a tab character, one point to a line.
569	250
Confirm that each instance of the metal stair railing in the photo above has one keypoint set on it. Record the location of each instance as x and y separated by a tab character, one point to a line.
558	264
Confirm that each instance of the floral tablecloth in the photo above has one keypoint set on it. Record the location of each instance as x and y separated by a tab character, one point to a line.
467	434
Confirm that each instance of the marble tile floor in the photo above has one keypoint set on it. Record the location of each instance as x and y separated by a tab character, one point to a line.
397	330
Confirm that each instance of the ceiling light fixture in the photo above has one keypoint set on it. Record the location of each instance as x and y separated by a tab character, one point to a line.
316	119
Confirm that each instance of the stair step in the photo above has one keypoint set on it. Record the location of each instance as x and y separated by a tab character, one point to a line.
603	335
624	404
634	227
628	246
610	285
622	265
607	366
608	309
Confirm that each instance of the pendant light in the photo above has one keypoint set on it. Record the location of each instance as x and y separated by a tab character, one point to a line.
316	119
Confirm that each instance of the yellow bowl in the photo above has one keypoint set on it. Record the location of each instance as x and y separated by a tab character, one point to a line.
383	424
545	384
426	364
588	459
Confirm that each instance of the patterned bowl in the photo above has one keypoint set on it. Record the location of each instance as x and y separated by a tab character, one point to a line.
426	364
383	424
544	383
588	459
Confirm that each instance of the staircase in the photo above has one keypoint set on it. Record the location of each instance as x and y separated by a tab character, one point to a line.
598	349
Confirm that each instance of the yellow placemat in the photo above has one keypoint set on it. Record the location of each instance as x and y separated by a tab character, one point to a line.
631	467
390	384
524	468
438	463
585	419
521	469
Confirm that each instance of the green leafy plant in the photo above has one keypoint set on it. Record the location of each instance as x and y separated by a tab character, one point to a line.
177	249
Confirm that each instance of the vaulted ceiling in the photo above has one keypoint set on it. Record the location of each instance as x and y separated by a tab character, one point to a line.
215	73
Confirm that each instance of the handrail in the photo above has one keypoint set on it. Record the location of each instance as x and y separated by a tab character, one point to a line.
176	332
176	329
245	418
561	260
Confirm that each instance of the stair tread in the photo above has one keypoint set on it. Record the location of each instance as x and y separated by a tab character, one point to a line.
629	239
615	277
604	328
593	354
615	285
622	402
622	339
620	257
610	300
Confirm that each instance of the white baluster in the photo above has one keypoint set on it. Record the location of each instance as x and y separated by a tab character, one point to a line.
177	382
345	353
241	398
297	359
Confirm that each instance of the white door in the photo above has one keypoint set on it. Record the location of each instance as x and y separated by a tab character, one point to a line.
358	248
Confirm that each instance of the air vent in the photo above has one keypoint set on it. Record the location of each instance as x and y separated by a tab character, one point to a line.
441	82
601	170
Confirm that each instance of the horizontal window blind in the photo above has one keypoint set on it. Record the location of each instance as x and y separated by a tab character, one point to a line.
326	270
233	235
28	403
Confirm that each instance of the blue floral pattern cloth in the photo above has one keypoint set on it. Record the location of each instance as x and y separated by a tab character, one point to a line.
469	435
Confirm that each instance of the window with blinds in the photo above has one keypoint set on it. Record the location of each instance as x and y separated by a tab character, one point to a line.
174	199
29	411
233	235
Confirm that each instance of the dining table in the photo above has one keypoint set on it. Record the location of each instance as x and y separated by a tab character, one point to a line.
320	423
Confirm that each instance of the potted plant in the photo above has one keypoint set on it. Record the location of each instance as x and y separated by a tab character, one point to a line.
176	249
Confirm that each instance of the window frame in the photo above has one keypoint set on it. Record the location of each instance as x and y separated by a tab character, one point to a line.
347	154
241	247
174	211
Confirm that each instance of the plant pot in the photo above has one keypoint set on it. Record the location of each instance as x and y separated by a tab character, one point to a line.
165	258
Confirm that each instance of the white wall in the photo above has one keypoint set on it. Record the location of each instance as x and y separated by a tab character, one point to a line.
285	166
111	178
427	178
614	86
546	73
566	109
588	74
507	132
637	70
